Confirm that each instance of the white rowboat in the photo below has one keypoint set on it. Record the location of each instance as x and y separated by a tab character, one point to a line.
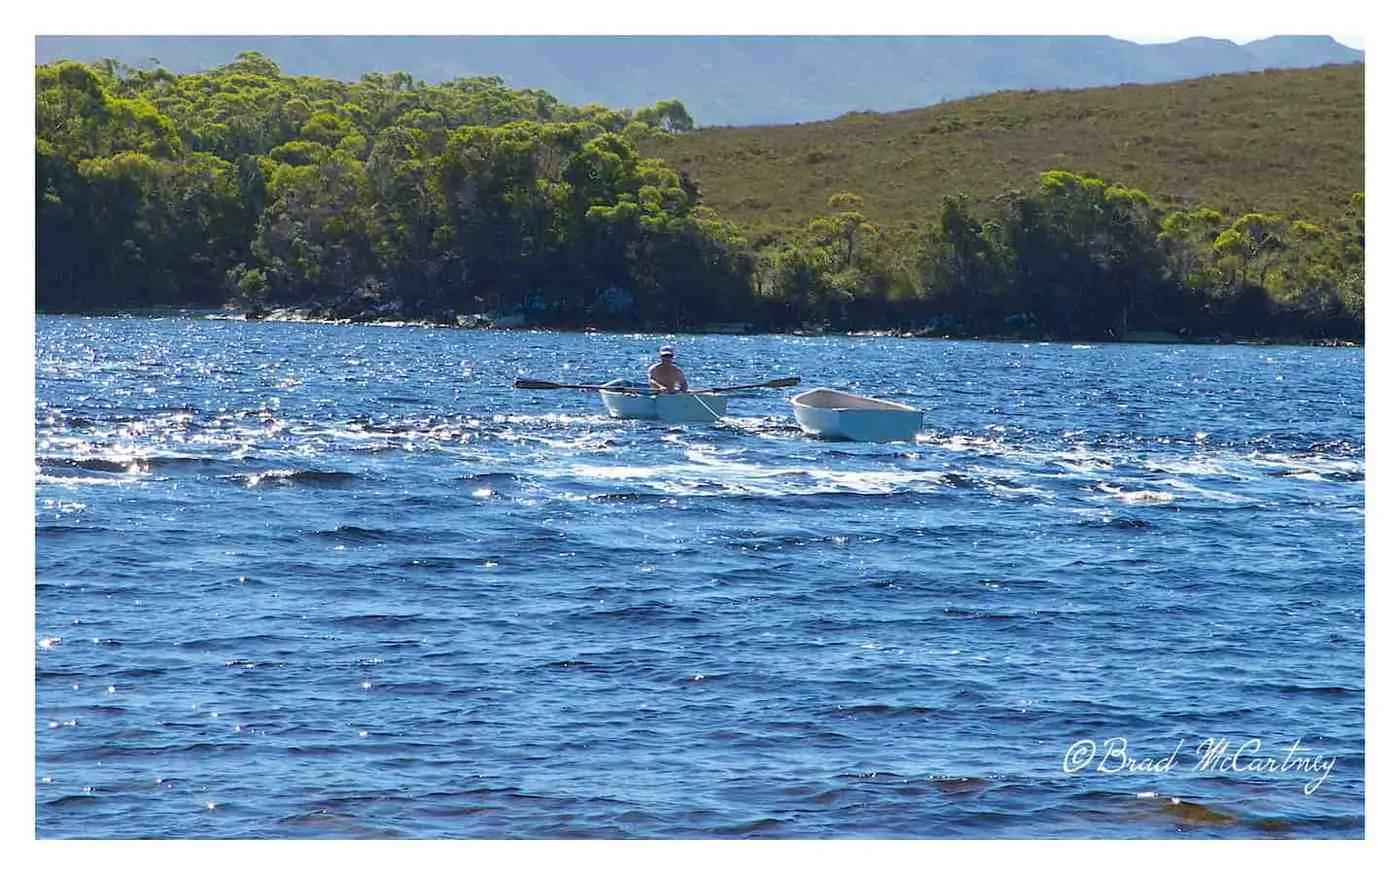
837	415
640	403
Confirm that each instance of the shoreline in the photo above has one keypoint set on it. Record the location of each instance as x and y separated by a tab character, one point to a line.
294	315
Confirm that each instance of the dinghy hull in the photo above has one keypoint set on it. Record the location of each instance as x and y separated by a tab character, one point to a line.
836	415
680	407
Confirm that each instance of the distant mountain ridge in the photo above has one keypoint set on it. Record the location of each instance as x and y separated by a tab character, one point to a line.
733	80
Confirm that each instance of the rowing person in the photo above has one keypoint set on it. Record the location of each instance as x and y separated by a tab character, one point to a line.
665	376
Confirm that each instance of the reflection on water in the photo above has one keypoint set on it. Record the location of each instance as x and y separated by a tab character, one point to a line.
301	580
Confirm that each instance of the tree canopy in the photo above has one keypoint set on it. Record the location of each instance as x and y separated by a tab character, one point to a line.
391	198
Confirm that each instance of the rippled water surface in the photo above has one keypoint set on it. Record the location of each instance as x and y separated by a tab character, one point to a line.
339	581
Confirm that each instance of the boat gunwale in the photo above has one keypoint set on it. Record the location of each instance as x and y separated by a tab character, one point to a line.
646	392
878	405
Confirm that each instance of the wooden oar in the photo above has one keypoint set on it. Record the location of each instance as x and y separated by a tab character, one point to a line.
780	383
527	383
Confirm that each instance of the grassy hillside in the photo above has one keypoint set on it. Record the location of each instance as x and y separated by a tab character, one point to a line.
1290	141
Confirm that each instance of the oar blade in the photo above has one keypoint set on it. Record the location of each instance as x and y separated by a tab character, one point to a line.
783	382
527	383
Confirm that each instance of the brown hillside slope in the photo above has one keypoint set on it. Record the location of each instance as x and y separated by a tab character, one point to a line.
1290	141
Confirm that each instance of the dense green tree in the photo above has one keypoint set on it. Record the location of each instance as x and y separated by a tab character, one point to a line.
314	234
666	115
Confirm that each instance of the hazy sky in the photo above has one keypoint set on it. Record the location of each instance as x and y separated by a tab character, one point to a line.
1236	20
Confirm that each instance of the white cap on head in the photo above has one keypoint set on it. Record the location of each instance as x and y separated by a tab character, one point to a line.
668	350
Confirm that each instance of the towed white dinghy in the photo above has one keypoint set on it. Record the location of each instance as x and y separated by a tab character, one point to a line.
626	401
837	415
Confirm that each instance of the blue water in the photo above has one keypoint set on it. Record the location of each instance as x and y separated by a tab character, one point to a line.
343	581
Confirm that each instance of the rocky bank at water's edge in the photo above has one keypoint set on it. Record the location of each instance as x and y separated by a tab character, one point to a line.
449	319
513	321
